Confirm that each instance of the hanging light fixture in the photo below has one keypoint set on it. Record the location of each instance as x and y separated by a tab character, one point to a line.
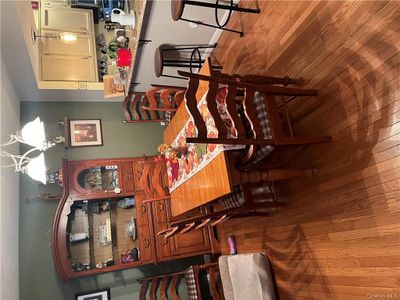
65	37
68	37
36	168
31	134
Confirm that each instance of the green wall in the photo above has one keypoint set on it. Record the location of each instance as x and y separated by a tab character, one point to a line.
38	278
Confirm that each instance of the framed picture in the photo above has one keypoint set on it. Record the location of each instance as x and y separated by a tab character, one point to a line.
84	133
103	294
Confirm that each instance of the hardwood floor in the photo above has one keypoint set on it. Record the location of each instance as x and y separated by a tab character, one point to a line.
340	237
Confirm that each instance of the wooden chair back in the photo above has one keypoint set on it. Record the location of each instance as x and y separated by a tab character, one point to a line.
228	207
156	105
161	282
245	113
171	97
153	181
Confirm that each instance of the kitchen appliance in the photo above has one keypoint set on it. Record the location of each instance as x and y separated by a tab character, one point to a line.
119	16
109	5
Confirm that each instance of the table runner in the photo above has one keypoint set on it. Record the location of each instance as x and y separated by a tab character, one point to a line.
199	155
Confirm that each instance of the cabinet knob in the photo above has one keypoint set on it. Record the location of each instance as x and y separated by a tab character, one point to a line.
146	243
165	242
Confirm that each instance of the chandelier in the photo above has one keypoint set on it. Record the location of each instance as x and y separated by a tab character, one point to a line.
33	135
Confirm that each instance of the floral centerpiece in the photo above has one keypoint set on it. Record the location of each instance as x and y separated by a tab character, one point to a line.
171	155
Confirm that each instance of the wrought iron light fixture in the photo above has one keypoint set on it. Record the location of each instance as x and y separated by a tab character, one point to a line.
31	134
65	37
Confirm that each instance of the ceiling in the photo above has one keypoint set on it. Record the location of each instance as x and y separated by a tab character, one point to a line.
158	27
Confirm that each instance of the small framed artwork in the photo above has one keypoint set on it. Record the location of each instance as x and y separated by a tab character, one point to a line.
83	133
103	294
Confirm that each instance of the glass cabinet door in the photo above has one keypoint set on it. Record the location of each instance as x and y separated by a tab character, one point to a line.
100	178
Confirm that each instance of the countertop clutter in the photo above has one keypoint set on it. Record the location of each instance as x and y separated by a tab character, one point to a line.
117	40
102	53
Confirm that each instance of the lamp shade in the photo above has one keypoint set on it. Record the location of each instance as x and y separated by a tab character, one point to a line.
36	169
33	134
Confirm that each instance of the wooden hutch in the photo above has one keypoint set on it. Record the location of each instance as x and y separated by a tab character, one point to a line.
101	217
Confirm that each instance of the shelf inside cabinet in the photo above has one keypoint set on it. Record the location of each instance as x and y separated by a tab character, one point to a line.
101	250
125	231
99	178
100	232
78	238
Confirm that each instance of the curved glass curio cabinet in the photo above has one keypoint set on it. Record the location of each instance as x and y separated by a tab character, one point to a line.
102	225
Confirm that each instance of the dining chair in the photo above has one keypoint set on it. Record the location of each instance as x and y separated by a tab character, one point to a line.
164	98
153	182
197	282
261	124
260	119
246	200
158	104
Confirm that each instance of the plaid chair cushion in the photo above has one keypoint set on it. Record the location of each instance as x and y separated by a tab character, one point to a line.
236	198
232	200
261	151
167	115
191	284
202	281
264	150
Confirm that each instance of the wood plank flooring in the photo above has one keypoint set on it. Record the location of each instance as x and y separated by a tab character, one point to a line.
340	237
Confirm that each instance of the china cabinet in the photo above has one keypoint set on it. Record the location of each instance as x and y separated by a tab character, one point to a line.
102	225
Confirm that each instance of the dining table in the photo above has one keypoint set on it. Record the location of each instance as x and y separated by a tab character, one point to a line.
214	179
199	173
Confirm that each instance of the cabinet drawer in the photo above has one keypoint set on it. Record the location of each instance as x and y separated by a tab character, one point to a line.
162	244
127	177
137	173
145	245
190	242
142	210
160	211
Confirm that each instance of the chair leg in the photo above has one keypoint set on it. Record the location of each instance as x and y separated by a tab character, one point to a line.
221	220
172	288
274	175
258	79
188	227
153	290
203	223
143	290
213	286
163	288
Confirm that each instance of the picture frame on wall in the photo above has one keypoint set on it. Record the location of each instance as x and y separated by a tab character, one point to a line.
102	294
85	133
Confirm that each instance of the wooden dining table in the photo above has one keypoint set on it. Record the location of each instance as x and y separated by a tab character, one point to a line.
212	181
